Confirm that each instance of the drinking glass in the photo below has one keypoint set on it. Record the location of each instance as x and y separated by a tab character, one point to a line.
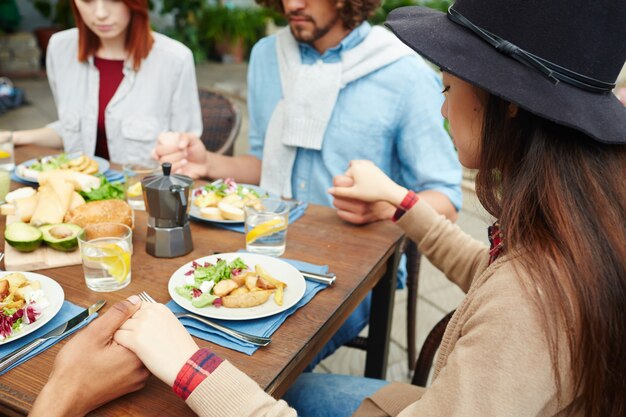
133	174
105	249
6	152
5	183
266	226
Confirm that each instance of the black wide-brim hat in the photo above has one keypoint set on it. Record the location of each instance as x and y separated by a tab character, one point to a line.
558	59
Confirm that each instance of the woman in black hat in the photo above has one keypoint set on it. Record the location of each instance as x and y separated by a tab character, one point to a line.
542	330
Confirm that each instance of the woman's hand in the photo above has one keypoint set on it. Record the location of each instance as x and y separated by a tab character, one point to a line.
357	211
364	181
92	369
156	336
185	151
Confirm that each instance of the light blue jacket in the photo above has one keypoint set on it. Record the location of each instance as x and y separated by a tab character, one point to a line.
391	117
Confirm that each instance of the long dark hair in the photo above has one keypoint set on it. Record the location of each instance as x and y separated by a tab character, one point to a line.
560	198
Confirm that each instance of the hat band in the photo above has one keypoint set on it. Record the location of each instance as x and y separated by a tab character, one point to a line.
552	71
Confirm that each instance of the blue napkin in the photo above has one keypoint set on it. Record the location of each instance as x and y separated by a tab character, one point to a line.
68	310
295	213
114	176
111	175
265	326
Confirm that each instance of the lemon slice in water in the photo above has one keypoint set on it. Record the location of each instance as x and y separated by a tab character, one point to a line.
265	229
134	190
116	260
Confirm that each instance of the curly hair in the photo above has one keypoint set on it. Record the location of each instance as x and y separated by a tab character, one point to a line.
351	12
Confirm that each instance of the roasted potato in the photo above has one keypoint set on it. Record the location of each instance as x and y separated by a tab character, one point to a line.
251	280
278	295
249	299
241	290
266	276
4	289
224	287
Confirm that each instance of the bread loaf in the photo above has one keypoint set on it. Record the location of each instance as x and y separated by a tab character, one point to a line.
104	211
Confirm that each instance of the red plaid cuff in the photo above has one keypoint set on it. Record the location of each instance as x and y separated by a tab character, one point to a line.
407	203
194	371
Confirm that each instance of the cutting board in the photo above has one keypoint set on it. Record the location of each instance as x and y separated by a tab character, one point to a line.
42	258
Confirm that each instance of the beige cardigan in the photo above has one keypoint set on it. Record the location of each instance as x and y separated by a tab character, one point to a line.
493	358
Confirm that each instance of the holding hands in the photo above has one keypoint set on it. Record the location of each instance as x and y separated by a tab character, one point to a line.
156	336
365	194
92	369
185	151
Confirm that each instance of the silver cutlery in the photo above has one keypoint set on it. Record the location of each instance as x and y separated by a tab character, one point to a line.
249	338
328	279
59	331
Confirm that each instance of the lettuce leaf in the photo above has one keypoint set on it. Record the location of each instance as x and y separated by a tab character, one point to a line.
106	191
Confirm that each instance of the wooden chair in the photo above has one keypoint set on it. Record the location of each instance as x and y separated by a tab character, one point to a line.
427	353
221	120
412	282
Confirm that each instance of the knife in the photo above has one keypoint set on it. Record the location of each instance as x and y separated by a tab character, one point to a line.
59	331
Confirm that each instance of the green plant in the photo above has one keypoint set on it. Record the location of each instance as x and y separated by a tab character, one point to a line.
222	24
187	15
59	12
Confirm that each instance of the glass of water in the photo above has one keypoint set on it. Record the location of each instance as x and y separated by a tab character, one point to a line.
7	160
133	174
105	249
266	226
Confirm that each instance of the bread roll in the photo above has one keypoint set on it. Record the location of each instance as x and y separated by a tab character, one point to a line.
104	211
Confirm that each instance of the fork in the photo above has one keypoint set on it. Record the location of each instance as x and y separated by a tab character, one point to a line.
249	338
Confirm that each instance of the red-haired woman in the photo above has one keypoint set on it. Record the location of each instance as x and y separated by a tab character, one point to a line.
116	84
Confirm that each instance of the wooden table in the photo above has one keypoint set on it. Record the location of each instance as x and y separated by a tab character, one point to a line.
362	257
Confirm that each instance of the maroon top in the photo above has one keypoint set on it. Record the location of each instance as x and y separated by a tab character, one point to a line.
111	75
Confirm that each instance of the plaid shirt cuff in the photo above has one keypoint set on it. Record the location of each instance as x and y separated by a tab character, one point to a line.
407	203
194	371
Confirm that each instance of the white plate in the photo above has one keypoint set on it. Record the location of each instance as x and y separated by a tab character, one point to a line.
103	166
54	295
194	212
275	267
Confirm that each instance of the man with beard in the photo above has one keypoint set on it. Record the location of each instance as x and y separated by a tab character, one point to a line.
328	89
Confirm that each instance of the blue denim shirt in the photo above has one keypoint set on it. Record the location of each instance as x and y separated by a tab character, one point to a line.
390	116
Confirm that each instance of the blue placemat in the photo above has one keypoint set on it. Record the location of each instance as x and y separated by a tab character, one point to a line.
111	175
68	310
265	326
294	214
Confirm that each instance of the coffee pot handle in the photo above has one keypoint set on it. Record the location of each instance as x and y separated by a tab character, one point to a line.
182	200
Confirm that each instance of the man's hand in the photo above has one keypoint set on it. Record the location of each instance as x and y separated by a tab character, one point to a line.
92	369
185	151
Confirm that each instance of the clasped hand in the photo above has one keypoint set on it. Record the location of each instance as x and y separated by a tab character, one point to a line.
365	194
185	151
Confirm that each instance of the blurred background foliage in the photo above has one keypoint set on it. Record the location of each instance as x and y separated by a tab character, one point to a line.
209	28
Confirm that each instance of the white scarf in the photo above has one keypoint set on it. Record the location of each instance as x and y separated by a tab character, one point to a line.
309	95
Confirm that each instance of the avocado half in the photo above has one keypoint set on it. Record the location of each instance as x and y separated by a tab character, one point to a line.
23	237
61	236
